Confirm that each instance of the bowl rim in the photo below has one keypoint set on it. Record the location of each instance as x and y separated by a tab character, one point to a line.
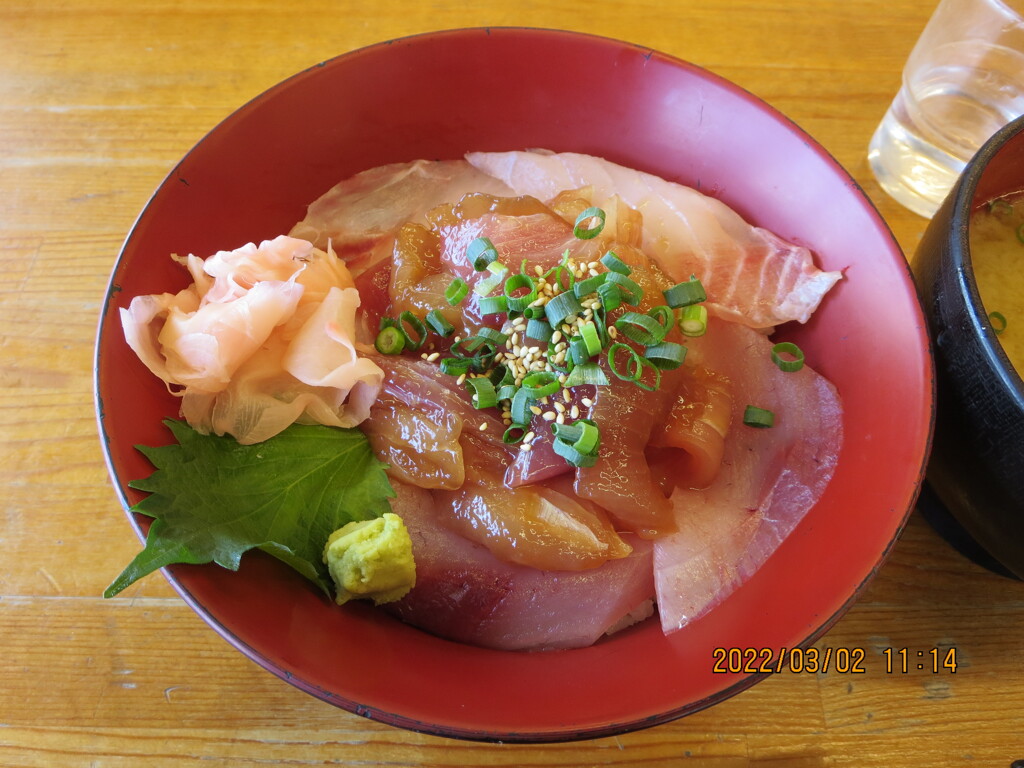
960	254
478	734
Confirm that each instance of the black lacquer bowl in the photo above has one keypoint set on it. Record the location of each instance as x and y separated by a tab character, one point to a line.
976	470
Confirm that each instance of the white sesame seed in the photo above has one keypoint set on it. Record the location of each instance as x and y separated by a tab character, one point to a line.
587	402
535	410
556	337
524	447
562	378
574	412
423	356
559	407
462	378
514	341
567	395
594	264
560	358
507	421
560	419
528	437
593	272
483	426
539	270
433	356
566	329
548	416
613	331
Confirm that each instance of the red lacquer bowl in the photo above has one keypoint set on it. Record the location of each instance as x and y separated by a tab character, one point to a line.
438	96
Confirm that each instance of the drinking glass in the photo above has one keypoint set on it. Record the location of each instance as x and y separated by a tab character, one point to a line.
963	81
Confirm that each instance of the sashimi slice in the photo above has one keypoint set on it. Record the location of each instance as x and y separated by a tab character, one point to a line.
751	276
769	480
465	593
361	215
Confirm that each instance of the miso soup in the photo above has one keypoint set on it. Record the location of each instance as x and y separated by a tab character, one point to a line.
996	235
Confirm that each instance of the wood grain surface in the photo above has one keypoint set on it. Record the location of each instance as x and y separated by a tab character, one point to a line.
98	100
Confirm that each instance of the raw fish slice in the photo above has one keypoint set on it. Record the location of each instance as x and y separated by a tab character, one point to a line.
466	594
751	276
770	478
361	215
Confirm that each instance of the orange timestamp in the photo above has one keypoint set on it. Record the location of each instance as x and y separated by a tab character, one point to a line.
839	660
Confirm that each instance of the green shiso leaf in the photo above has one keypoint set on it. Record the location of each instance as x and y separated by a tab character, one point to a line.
214	499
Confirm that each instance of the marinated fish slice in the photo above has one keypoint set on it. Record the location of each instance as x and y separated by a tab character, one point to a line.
465	593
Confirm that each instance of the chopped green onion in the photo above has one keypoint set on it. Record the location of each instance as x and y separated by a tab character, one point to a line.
515	434
686	293
634	367
643	362
788	364
498	269
487	284
578	350
533	313
631	293
480	253
615	264
634	358
665	317
492	305
539	329
758	417
583	435
540	384
484	395
588	331
643	329
611	296
693	320
500	375
560	307
492	335
554	277
518	282
507	391
572	455
407	318
455	366
668	355
583	229
520	407
439	323
998	322
390	341
588	286
387	322
456	291
587	373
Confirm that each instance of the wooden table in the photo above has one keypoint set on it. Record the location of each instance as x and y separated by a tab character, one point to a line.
98	100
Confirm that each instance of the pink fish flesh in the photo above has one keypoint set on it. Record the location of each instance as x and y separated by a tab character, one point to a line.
770	478
751	276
